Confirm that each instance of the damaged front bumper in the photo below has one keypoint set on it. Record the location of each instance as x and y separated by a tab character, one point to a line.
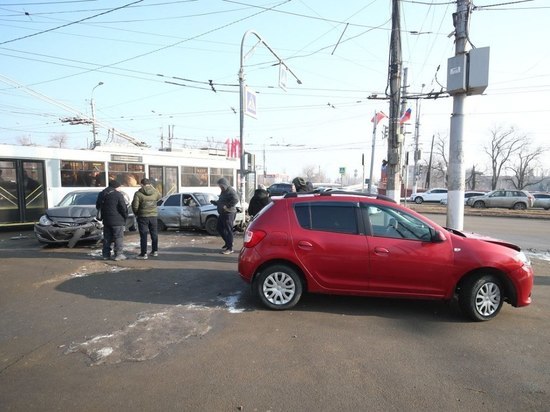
69	234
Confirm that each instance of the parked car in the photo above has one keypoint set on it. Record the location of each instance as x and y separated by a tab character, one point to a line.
467	195
279	189
511	199
74	220
542	200
432	195
350	244
193	211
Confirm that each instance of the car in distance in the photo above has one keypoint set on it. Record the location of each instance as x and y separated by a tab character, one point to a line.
432	195
510	199
352	244
192	211
542	200
74	219
467	195
279	189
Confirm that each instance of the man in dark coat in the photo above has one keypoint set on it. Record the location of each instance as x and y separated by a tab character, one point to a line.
300	185
259	201
114	212
227	210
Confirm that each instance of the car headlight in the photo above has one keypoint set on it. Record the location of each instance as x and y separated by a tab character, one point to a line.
523	259
45	220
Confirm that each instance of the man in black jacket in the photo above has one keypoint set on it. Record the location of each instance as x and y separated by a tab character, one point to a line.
227	210
114	212
259	201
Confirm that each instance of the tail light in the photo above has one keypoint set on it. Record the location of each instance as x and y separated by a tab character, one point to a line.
253	237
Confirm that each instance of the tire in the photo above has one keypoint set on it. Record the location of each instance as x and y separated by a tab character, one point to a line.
279	287
211	226
418	200
161	226
481	297
478	204
519	206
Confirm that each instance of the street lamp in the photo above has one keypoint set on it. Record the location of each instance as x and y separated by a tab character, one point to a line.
241	96
94	131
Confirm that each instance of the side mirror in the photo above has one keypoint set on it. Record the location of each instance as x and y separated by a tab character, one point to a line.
438	236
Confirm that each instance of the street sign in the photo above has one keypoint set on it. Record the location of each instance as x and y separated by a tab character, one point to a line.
342	170
282	76
250	107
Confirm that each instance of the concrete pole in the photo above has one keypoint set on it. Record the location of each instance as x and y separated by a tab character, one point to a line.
416	138
457	170
393	188
372	153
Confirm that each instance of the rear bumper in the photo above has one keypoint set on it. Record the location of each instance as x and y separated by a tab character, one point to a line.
61	235
248	262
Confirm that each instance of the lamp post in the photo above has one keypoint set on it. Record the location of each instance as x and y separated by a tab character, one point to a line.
241	97
94	131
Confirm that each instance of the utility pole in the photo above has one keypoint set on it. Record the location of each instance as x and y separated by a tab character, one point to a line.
457	171
416	138
393	188
402	128
429	171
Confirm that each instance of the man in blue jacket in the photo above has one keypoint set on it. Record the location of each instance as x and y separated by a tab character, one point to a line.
227	210
114	212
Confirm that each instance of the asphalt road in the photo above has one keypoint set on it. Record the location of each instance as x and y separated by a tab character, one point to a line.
182	332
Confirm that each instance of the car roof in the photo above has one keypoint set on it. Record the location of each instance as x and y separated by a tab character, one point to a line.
337	194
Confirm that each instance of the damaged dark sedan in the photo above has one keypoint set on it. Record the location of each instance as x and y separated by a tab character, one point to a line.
74	219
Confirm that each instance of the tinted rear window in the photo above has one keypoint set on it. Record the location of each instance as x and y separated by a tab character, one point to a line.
329	217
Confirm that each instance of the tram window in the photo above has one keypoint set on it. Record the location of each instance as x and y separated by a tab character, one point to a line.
194	176
76	173
127	174
216	173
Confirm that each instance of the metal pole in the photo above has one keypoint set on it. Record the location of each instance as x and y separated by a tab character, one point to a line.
372	152
94	129
241	98
416	137
457	171
394	144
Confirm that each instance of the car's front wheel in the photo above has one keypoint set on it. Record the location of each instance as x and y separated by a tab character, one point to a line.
279	287
481	297
211	225
418	200
479	204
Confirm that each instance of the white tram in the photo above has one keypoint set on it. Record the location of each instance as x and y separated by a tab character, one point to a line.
34	178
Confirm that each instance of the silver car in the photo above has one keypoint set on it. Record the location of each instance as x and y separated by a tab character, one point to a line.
510	199
192	211
542	200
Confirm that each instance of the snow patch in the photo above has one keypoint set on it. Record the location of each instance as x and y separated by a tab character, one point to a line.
231	302
537	254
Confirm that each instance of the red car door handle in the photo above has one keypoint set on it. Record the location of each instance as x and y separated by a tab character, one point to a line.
381	251
303	244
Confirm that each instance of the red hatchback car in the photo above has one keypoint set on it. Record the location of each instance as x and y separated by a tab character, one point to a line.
353	244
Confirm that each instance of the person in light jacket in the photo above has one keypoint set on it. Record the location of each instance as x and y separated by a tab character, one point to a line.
144	206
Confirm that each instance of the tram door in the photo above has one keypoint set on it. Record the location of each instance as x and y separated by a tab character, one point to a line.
22	191
164	179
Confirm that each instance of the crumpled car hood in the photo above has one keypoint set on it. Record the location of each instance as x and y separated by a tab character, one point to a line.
477	236
72	212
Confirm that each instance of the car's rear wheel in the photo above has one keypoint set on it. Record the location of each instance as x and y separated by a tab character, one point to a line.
519	206
479	204
418	200
162	227
279	287
211	225
481	297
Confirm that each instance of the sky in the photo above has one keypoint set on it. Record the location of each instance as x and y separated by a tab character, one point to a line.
175	64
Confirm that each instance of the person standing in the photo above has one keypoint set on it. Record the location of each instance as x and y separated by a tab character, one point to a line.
259	201
227	210
144	206
300	185
114	212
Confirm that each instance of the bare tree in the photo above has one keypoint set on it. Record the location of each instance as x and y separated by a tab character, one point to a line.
523	168
59	140
313	174
440	163
504	143
24	141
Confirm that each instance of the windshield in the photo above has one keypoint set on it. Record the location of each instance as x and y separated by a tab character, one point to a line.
205	198
79	199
